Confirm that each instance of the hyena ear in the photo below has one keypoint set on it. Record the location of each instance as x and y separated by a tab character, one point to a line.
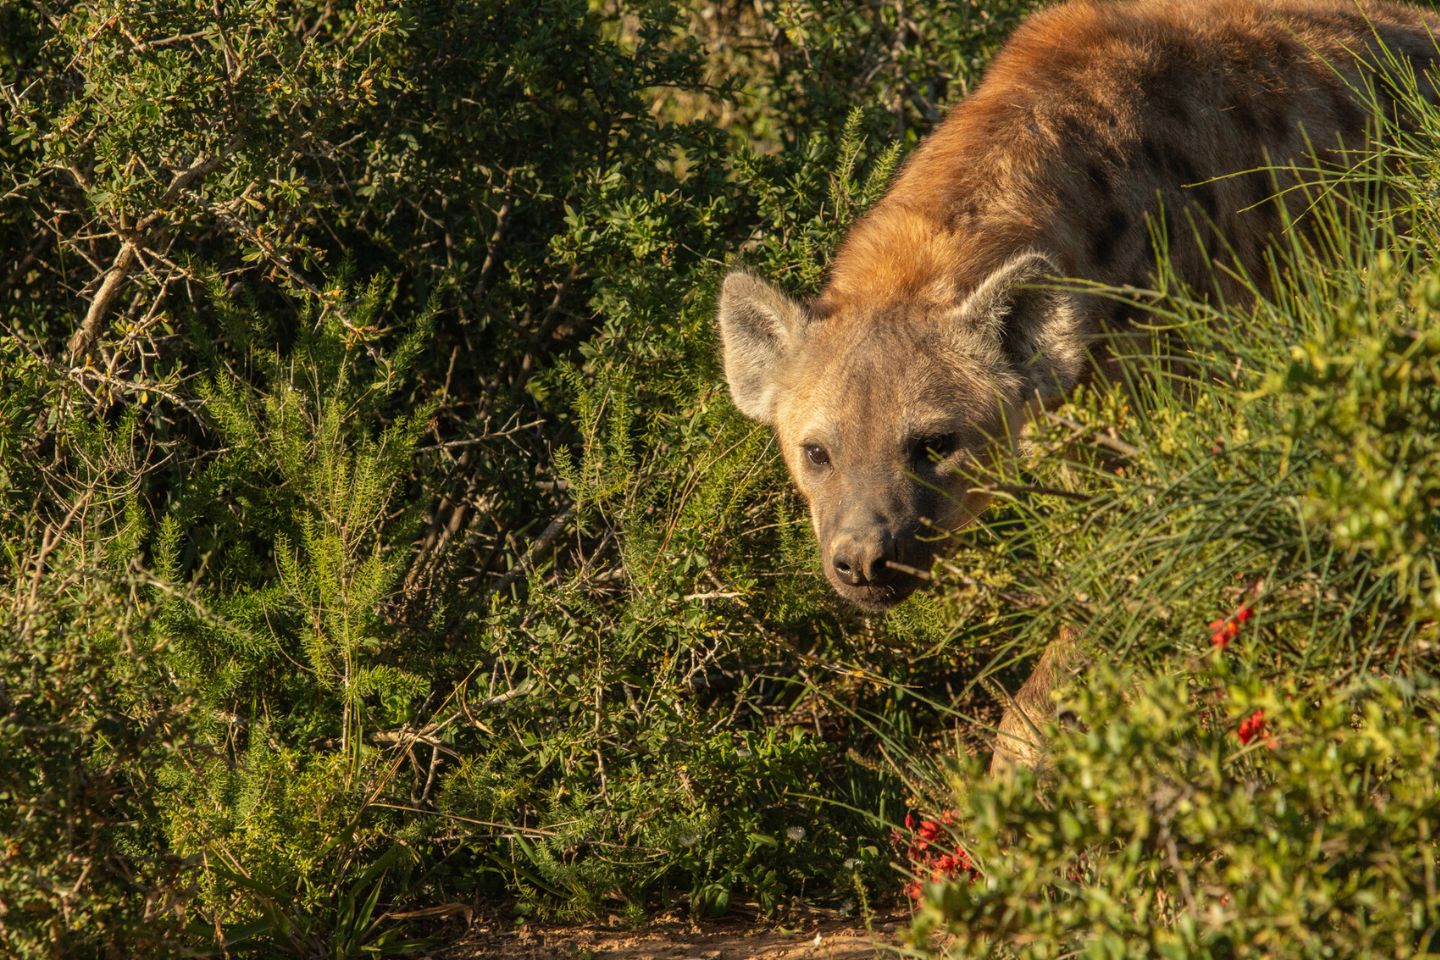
1039	329
758	326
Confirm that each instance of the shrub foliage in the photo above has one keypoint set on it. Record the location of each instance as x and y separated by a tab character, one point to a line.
379	535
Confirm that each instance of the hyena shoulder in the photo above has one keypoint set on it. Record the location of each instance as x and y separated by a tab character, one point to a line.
1100	123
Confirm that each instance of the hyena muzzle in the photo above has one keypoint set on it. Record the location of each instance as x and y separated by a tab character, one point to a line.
933	338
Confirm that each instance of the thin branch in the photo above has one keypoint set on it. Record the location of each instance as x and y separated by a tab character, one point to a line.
537	549
1101	438
85	335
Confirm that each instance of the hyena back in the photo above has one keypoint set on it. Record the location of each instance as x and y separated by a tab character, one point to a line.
1096	126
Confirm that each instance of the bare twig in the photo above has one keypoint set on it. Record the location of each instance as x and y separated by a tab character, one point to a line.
492	248
1016	488
1100	437
537	549
490	437
125	260
915	572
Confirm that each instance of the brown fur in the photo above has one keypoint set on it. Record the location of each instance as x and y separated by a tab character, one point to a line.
1097	122
1091	111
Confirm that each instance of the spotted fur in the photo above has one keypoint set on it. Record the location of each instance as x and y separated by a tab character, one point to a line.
1097	125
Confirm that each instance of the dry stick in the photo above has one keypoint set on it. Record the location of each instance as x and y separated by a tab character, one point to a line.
89	329
542	543
749	617
85	334
915	572
1040	489
446	520
492	249
49	541
489	437
1103	439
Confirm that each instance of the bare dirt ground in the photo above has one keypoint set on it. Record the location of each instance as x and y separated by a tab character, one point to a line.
817	940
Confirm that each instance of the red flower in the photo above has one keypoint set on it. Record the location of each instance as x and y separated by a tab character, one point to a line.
927	853
1251	727
1223	631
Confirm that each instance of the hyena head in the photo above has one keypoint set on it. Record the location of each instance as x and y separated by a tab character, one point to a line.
887	414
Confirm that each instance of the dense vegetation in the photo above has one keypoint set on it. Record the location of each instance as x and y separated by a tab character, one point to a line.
380	540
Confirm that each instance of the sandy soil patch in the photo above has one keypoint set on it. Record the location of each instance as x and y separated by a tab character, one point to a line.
819	940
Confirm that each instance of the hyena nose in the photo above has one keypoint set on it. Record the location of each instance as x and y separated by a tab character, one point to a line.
860	560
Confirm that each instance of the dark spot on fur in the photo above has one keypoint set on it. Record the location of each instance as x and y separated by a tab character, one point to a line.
1172	103
1349	118
1242	115
1072	131
1174	169
1107	236
1351	23
1154	159
1097	175
1264	206
1085	131
1278	124
963	212
1181	166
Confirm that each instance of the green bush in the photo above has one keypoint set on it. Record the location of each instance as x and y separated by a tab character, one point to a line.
382	535
83	863
1164	834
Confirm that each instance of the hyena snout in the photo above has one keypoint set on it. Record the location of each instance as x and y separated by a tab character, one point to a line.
861	557
868	566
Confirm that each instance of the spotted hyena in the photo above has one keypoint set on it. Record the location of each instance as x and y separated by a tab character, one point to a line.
934	339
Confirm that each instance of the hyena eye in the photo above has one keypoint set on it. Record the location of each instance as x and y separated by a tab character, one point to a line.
817	454
936	447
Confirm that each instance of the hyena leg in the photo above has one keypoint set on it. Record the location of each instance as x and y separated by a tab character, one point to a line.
1019	737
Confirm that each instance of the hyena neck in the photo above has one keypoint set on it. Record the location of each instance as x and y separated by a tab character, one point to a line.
902	254
959	209
1104	126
